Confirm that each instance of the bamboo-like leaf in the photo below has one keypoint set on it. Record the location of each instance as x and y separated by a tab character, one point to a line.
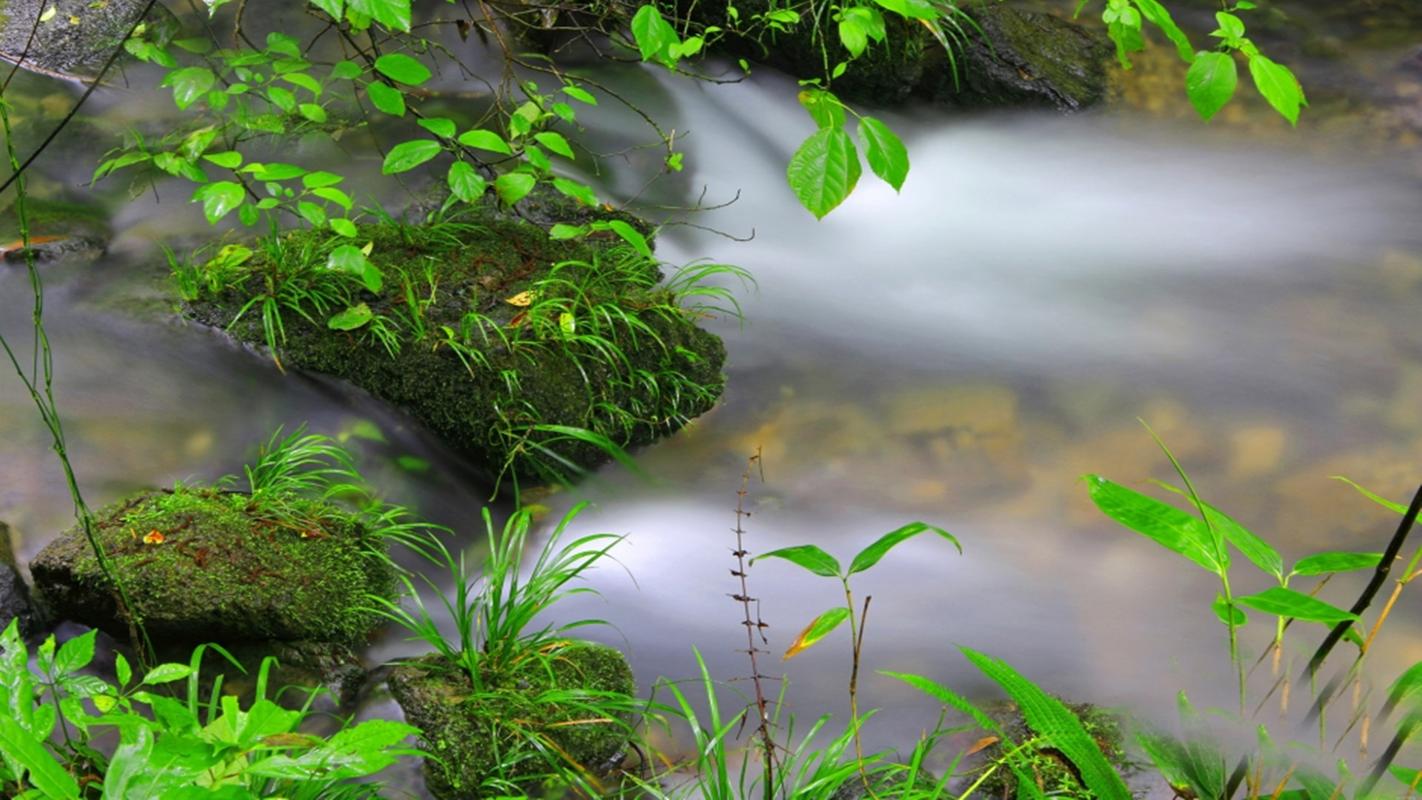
807	556
949	698
871	555
1382	501
1325	563
1168	526
818	629
1055	723
1259	552
1283	602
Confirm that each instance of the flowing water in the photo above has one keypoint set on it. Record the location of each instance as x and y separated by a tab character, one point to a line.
961	353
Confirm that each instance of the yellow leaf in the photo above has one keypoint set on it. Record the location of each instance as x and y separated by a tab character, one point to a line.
103	702
154	537
981	745
48	14
522	299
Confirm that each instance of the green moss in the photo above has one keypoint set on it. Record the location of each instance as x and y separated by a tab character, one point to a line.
479	740
1054	774
545	376
206	565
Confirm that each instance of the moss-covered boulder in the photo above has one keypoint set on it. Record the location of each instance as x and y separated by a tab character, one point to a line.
1014	57
477	740
203	565
72	39
497	337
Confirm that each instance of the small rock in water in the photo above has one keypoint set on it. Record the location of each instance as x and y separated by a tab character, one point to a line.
73	39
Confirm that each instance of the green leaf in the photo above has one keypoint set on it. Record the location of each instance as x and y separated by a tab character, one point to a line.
320	179
871	555
390	13
631	236
344	227
1325	563
555	142
122	670
75	654
561	231
1160	17
351	319
818	629
402	69
439	126
824	171
514	186
352	261
807	556
1055	723
166	673
1283	602
386	98
1407	684
346	70
911	9
1210	82
580	94
1259	552
465	182
1168	526
887	156
949	698
219	198
1222	612
825	109
577	190
313	112
1279	87
1382	501
405	156
654	35
189	84
43	772
485	140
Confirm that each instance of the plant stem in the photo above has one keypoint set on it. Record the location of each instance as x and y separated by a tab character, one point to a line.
856	637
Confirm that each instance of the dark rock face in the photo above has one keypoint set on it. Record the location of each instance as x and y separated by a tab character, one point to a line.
14	595
1031	59
77	39
201	566
478	736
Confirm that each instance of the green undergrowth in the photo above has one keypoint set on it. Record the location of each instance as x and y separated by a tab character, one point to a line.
213	565
1041	762
546	719
534	355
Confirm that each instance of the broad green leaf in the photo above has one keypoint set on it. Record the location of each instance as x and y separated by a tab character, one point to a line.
219	198
1222	612
312	213
1278	85
485	140
653	34
189	84
911	9
344	227
352	318
75	654
1160	17
465	182
580	94
401	68
807	556
514	186
319	179
853	34
386	98
826	109
41	770
1210	82
346	70
1057	725
818	629
824	171
631	236
555	142
562	230
1259	552
1168	526
577	190
949	698
313	112
1325	563
390	13
405	156
887	156
871	555
166	673
1382	501
230	159
439	126
1283	602
1407	684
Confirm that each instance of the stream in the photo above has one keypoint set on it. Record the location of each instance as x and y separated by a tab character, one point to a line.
961	353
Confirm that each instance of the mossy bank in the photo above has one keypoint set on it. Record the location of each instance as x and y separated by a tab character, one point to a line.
522	351
206	565
486	743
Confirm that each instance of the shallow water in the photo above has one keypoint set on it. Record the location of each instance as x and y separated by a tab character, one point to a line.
961	353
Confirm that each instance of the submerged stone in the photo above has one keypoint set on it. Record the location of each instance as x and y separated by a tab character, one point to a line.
72	39
204	565
498	338
475	737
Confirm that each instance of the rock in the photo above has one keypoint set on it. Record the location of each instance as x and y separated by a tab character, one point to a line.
14	595
77	39
1020	58
603	349
468	731
202	565
58	230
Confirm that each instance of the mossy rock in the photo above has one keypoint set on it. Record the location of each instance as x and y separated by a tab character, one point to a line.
58	230
487	411
1019	59
76	37
1055	775
477	740
203	565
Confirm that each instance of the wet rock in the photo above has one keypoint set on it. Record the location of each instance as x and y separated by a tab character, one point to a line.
14	595
72	39
469	731
202	565
58	230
